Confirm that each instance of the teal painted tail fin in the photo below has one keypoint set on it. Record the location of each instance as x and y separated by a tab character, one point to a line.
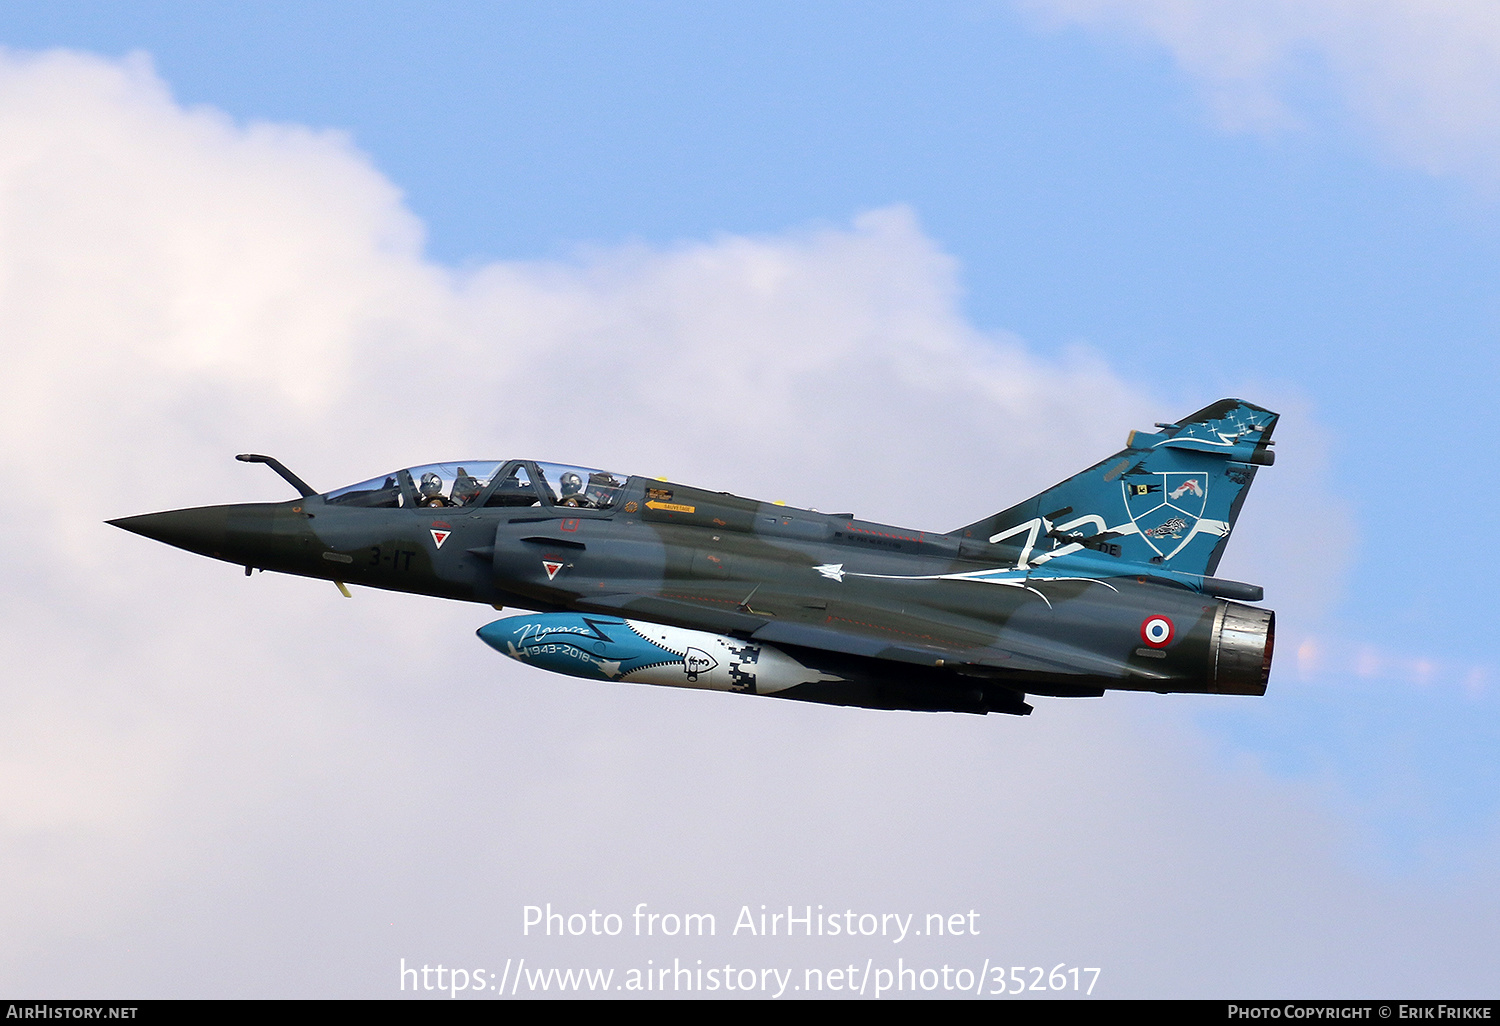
1169	499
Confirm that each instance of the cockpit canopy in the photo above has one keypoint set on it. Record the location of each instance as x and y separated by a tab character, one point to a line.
485	483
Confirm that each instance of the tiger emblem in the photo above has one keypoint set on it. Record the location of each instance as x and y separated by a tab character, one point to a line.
1167	529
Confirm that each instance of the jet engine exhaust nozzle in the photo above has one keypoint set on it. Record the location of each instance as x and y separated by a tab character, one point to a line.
1244	637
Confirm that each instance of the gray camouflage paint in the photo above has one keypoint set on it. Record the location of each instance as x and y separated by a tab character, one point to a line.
1101	582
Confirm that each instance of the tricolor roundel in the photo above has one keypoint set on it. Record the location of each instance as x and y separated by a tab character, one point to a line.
1156	631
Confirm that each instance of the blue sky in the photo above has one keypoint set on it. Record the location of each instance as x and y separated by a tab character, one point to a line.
1083	182
1086	192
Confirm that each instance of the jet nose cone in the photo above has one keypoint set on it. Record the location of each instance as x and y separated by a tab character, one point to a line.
197	530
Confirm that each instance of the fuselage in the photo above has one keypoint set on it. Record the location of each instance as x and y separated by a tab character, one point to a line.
885	616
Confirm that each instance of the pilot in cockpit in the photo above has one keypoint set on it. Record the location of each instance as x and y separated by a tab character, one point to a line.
430	493
572	491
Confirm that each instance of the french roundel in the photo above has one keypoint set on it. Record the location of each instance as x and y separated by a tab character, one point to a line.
1156	631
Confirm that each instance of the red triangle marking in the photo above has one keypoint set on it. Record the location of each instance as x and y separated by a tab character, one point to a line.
438	537
552	567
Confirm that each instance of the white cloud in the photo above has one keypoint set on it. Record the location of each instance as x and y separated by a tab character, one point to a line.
220	786
1424	77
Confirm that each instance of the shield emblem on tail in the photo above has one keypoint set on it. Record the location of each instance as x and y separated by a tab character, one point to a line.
1166	507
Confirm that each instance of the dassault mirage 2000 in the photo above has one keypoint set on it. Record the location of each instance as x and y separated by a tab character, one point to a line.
1103	581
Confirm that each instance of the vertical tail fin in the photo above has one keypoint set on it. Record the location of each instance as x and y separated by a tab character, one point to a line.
1170	498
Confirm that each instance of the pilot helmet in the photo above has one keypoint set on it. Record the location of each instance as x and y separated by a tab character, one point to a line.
431	484
572	484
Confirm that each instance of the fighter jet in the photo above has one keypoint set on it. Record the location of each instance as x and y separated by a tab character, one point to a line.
1104	581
